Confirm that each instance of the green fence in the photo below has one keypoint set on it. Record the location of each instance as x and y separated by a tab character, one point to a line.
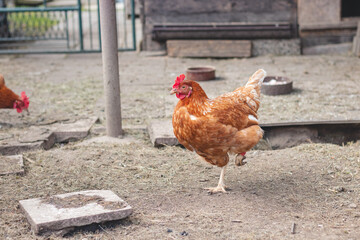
62	29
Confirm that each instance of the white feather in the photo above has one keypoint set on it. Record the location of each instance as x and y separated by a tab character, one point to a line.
251	117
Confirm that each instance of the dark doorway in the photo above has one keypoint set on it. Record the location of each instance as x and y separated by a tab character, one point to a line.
350	8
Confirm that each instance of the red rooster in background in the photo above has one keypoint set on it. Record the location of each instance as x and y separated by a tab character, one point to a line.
213	128
8	99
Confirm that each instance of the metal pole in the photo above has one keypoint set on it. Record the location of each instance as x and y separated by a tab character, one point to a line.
110	67
99	28
81	39
133	24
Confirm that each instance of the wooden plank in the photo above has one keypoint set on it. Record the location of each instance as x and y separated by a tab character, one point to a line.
308	123
221	31
208	48
279	135
340	48
356	46
356	42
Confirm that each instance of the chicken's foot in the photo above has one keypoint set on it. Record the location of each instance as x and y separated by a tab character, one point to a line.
239	160
221	185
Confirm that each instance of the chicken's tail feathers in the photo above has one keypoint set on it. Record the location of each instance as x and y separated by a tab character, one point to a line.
252	89
256	79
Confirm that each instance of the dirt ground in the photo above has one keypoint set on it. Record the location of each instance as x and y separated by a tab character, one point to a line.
314	186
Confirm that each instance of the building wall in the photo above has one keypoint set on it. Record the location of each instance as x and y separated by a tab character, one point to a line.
316	12
212	11
321	23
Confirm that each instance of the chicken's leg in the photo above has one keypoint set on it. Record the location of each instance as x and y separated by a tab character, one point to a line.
221	185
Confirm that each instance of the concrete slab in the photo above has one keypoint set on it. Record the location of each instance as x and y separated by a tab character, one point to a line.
161	133
38	134
74	131
11	165
14	147
44	137
66	211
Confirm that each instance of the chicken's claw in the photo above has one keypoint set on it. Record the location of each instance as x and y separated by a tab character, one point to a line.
218	189
239	160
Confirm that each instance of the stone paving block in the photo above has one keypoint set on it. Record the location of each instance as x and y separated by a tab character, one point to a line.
36	134
11	165
74	131
43	137
61	213
20	141
14	147
161	133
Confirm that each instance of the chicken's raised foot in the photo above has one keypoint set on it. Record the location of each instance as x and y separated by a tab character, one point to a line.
239	160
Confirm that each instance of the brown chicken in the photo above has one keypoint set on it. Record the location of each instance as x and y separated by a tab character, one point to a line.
215	128
8	99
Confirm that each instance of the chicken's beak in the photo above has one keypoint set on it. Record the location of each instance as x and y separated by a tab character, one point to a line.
173	91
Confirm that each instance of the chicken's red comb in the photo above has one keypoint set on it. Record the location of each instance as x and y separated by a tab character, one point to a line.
23	104
25	99
178	80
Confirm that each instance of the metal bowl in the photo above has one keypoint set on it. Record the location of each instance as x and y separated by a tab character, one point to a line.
276	85
200	73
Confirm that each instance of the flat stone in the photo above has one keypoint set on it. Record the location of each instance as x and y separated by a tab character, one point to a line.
14	147
11	165
74	131
61	213
36	134
4	136
161	133
41	137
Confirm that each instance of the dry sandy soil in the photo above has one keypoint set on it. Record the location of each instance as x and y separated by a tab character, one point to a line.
314	186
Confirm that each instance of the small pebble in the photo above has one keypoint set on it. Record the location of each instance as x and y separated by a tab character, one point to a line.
339	189
352	205
169	230
184	233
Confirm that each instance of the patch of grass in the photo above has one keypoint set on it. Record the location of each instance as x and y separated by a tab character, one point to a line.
31	24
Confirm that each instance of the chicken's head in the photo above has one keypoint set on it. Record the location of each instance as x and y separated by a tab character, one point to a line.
181	88
22	103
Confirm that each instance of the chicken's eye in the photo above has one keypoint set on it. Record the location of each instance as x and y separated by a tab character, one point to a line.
183	87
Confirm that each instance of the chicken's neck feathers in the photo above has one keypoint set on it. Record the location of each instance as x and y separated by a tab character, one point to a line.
198	103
